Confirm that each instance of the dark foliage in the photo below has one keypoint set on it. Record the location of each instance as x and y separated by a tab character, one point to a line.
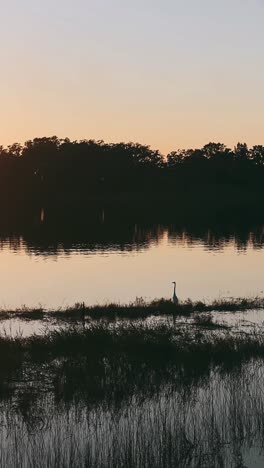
51	168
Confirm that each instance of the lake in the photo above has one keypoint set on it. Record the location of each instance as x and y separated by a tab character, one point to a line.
127	403
101	257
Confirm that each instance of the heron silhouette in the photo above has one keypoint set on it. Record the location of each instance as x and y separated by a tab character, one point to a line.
174	297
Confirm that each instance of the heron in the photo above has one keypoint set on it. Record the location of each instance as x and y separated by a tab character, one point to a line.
174	297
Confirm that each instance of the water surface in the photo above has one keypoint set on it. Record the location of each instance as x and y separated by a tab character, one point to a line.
56	265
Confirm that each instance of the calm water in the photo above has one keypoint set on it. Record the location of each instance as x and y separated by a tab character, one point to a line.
58	265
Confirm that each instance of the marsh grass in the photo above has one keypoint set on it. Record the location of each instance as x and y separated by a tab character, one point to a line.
131	395
139	309
156	345
186	420
206	320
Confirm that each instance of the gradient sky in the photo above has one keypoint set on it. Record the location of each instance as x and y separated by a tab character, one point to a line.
169	73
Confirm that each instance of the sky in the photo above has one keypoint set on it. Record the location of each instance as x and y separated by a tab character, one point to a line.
168	73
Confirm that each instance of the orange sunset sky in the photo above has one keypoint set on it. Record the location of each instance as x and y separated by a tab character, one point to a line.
168	73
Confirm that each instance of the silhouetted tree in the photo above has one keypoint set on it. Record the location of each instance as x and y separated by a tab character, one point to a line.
176	157
50	168
241	152
215	150
257	155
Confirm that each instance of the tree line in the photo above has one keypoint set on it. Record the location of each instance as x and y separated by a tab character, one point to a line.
49	166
